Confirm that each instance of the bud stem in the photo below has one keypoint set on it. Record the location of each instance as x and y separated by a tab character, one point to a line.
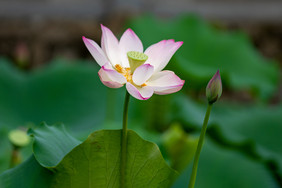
199	147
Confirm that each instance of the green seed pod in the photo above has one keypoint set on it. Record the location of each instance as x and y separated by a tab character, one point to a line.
136	59
19	138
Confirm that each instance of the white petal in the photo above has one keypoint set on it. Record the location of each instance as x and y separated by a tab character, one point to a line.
160	53
110	45
110	77
129	41
141	93
142	74
165	82
95	51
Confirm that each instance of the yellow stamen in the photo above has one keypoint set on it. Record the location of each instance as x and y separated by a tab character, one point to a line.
119	68
126	72
128	76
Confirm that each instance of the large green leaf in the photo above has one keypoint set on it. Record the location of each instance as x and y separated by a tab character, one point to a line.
94	163
207	49
98	159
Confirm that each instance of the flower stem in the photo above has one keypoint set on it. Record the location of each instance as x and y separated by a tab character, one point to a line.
124	141
199	148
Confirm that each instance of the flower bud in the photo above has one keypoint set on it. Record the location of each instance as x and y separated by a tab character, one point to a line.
214	88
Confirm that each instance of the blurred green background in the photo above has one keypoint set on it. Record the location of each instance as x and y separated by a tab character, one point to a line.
48	75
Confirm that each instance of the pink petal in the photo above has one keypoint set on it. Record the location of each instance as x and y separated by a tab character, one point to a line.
95	51
110	45
165	82
142	74
110	77
160	53
141	93
129	41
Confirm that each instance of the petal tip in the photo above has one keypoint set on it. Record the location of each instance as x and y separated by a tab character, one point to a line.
180	43
181	83
147	65
136	93
143	99
132	33
84	39
130	30
107	67
104	27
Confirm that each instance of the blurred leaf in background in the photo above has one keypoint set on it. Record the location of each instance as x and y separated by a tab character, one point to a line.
221	168
206	49
64	91
180	147
61	92
253	131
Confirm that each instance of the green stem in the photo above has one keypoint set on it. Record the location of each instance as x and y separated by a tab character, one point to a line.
124	141
199	148
15	157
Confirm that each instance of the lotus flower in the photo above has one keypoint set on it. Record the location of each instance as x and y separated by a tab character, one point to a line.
124	62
